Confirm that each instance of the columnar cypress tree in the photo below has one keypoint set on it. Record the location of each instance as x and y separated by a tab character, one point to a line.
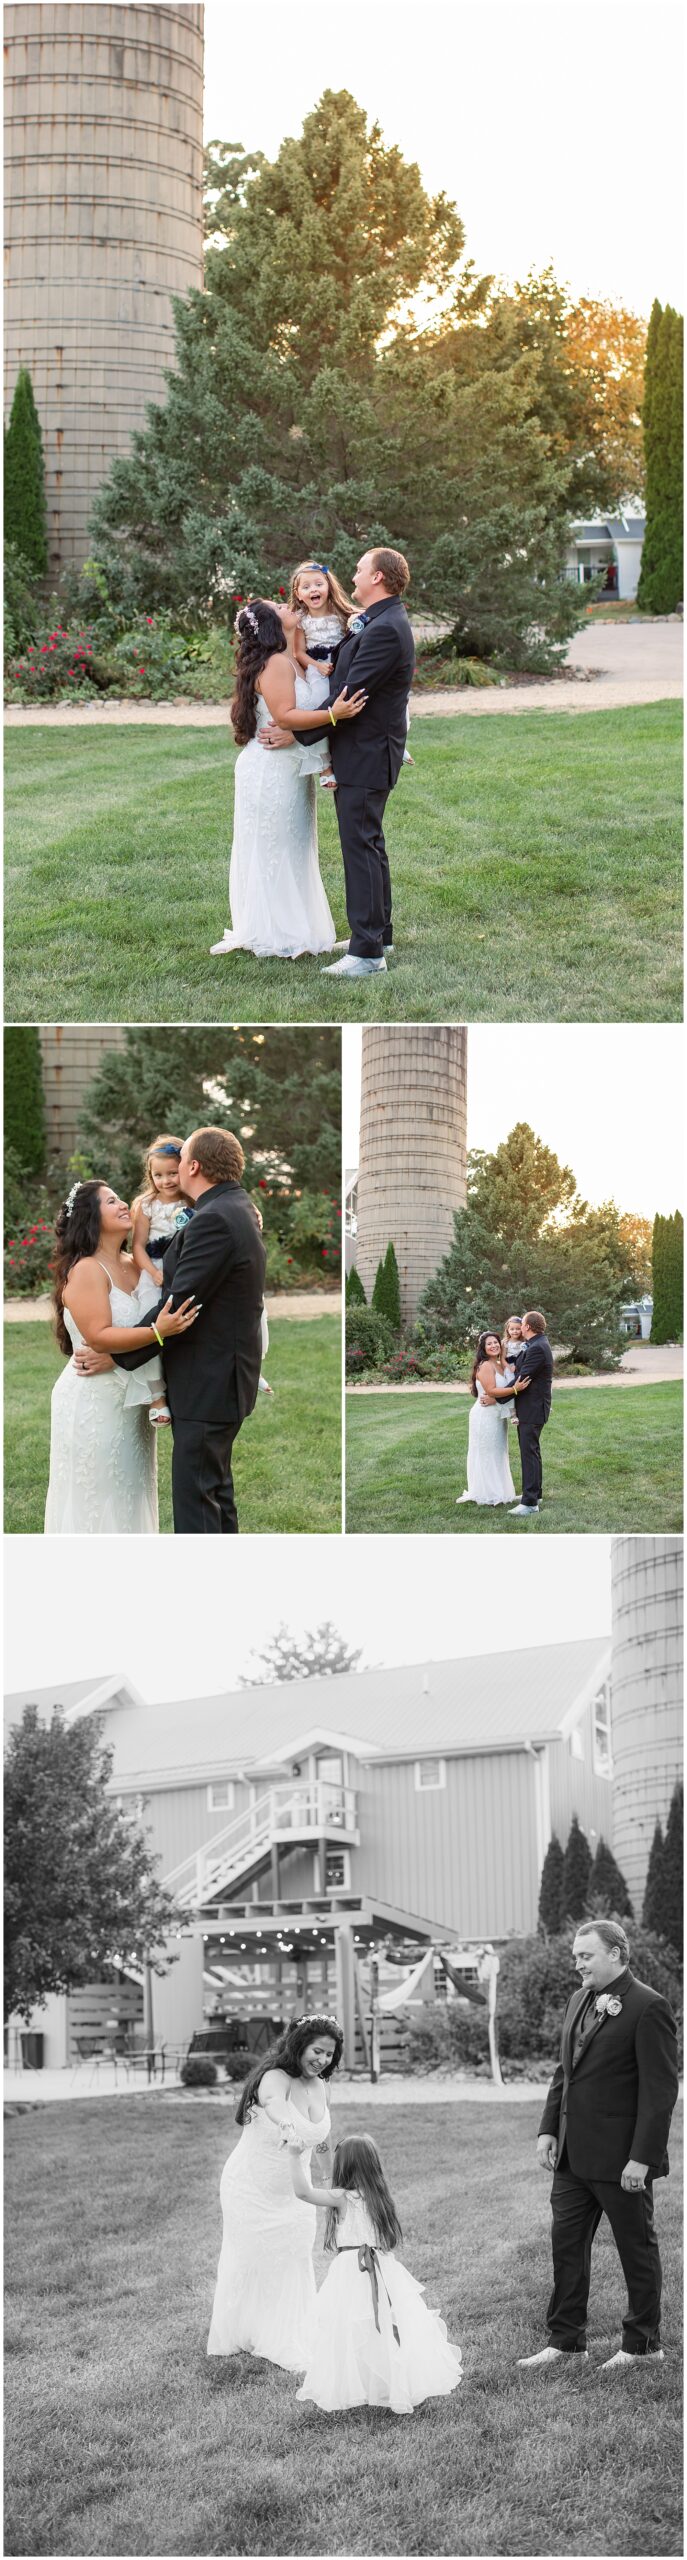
577	1867
25	509
667	1267
24	1099
607	1888
355	1294
672	1877
653	1904
551	1913
386	1295
661	583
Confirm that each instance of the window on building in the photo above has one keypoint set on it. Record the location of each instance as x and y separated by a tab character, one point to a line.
603	1757
221	1796
429	1774
337	1871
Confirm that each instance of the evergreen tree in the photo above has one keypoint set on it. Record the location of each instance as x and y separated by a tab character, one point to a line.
320	1655
355	1294
577	1867
668	1278
673	1872
24	1098
280	1091
607	1893
25	509
79	1882
654	1898
525	1238
551	1913
661	583
386	1294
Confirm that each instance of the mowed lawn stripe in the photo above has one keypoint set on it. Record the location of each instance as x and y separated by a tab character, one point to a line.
287	1459
121	2438
612	1459
535	861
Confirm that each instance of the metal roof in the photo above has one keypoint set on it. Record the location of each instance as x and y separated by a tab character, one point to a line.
482	1702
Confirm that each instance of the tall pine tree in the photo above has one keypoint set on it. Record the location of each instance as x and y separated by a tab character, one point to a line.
607	1891
525	1239
654	1900
355	1294
386	1295
24	1098
661	583
667	1262
551	1913
673	1871
577	1867
25	509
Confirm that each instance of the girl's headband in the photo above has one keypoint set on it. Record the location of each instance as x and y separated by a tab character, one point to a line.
166	1151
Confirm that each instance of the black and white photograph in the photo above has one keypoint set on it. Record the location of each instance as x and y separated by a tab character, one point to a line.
344	2014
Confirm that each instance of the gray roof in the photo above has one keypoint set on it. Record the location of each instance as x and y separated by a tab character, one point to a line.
484	1701
611	529
69	1695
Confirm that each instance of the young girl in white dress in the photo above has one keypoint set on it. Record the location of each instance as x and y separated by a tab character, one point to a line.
323	613
156	1216
376	2345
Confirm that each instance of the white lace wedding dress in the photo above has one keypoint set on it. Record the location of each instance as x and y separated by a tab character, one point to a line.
103	1471
489	1477
265	2296
277	902
377	2344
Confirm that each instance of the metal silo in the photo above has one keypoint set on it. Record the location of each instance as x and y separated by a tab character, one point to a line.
646	1696
413	1152
103	223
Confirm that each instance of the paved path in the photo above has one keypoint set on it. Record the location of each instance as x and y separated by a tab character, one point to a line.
303	1305
617	665
41	2088
650	1367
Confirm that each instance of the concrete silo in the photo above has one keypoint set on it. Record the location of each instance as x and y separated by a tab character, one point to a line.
646	1696
413	1152
103	223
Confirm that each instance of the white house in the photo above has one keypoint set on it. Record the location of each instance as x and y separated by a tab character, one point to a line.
609	544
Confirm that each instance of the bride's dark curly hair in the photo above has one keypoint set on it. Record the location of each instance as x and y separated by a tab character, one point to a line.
481	1353
77	1232
254	649
287	2055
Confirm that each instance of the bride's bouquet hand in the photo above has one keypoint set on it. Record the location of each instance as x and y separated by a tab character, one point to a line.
176	1320
342	709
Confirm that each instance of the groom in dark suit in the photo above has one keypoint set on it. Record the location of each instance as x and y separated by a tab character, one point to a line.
534	1361
220	1260
376	658
604	2132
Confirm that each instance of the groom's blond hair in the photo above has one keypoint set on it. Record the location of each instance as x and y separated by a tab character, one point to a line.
218	1153
394	569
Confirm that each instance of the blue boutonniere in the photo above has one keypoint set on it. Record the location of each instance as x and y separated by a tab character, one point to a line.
358	623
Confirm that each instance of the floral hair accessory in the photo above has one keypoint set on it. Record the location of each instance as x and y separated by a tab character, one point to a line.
69	1202
607	2006
322	2017
247	615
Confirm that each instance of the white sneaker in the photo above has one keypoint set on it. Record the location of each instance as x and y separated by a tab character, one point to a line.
654	2355
554	2355
227	944
354	968
524	1511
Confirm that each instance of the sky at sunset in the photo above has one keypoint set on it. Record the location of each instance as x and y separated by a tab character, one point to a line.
555	126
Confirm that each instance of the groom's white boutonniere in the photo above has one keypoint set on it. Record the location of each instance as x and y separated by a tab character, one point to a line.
607	2006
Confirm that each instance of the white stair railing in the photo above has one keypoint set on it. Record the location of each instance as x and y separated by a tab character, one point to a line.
298	1811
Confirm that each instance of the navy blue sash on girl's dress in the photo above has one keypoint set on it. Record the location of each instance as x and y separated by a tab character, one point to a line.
368	2262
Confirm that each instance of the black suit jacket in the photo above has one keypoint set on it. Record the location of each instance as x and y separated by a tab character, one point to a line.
212	1372
615	2102
380	662
535	1361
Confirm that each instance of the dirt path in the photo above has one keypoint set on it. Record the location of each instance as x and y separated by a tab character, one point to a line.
652	1366
302	1306
618	665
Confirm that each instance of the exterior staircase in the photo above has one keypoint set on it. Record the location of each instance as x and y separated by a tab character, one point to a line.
286	1817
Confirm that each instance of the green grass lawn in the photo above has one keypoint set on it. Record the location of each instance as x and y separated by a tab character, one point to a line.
535	860
287	1459
612	1459
120	2437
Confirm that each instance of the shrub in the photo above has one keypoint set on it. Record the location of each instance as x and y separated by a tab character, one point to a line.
25	509
24	1097
22	608
537	1978
59	664
355	1294
369	1332
386	1294
450	2037
403	1364
198	2071
238	2065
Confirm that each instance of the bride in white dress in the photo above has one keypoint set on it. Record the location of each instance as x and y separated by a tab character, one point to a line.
265	2296
103	1475
494	1388
277	901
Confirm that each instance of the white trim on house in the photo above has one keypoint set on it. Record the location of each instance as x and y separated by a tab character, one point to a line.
586	1695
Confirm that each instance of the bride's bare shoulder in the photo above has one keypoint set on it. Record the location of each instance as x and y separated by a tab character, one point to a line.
273	2083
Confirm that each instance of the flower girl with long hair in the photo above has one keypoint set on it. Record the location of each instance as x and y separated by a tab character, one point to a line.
376	2344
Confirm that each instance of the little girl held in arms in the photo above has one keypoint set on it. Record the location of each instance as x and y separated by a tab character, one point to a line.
323	612
375	2344
155	1217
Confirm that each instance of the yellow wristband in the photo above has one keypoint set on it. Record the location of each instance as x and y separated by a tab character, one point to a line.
331	715
158	1336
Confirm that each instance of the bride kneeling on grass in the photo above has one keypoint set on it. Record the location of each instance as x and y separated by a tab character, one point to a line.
494	1388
